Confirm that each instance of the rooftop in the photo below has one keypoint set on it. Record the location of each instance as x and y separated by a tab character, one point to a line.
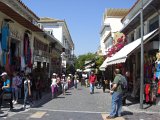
119	12
28	9
47	19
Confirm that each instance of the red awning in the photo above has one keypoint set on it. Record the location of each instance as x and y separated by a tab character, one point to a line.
18	18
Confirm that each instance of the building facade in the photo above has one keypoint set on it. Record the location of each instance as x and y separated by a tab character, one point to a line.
129	57
111	23
59	29
24	45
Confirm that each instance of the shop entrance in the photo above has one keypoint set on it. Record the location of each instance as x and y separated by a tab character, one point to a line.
15	55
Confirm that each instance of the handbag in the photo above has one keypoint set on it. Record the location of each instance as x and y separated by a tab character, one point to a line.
106	82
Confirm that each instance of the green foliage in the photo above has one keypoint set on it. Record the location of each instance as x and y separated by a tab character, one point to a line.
99	61
80	61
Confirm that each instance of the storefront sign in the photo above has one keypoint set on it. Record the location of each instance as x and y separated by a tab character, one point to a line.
38	58
41	59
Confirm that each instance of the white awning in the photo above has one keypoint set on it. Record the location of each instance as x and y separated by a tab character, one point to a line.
104	64
121	56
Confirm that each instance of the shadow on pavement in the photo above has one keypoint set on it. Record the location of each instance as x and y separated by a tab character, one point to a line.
59	97
127	113
3	113
17	110
131	100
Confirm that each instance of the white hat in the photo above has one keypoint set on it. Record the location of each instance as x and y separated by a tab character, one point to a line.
4	73
54	74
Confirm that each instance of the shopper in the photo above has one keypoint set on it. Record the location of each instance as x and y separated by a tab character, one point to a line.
117	93
38	85
27	90
92	80
64	84
6	89
16	82
76	78
53	84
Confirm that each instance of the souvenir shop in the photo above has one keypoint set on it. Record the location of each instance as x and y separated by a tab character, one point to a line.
41	61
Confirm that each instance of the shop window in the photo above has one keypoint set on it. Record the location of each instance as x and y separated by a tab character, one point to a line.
48	67
44	65
139	32
153	23
38	65
132	37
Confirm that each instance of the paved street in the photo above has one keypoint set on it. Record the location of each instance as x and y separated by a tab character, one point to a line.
76	105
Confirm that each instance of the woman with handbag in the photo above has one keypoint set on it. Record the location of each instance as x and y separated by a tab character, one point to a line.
54	85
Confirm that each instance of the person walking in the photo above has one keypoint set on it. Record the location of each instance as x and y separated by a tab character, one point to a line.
64	84
92	80
117	93
75	80
16	81
53	84
69	80
85	78
38	85
27	90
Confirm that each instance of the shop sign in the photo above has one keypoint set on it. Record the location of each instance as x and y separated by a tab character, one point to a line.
38	58
41	53
15	34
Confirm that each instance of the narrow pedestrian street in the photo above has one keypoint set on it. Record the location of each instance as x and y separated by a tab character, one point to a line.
77	104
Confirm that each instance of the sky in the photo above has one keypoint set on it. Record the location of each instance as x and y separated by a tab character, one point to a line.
83	18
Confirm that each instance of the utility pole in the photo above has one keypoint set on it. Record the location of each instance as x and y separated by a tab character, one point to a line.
142	60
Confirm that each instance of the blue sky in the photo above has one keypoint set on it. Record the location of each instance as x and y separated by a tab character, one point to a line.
83	17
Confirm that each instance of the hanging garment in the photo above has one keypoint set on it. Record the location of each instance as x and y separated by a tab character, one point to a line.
3	58
0	49
22	63
158	70
147	92
4	36
25	47
158	88
7	65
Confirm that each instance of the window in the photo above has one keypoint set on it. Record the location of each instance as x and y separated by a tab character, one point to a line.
132	37
153	23
139	33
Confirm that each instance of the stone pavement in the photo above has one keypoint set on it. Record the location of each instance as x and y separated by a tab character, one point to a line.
133	105
117	118
5	110
131	110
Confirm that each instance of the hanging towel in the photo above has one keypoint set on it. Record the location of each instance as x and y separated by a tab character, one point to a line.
22	63
4	36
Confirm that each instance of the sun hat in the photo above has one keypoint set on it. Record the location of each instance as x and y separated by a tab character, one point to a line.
4	73
54	74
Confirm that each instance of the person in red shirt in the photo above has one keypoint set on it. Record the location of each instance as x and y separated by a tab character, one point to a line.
92	80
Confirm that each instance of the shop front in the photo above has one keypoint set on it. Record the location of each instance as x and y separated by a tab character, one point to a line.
40	61
128	59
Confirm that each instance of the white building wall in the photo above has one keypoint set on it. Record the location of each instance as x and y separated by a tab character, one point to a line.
56	32
115	26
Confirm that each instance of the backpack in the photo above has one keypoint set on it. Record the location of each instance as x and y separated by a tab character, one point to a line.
123	84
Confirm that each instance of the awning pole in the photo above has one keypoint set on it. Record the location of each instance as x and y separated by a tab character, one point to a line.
142	60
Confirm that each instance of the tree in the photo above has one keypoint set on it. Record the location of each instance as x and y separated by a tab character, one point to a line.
80	61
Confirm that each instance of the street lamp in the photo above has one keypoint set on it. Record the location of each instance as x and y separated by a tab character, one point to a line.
142	60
